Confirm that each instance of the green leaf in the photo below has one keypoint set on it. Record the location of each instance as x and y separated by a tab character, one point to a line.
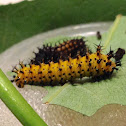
87	97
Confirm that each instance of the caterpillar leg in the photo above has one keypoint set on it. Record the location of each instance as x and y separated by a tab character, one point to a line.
20	85
72	82
105	76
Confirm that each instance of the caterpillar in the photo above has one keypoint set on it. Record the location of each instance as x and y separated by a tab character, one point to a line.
62	51
94	65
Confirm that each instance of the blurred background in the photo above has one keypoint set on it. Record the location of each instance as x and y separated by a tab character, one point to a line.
27	18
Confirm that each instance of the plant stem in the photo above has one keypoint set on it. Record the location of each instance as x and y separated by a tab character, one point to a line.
17	104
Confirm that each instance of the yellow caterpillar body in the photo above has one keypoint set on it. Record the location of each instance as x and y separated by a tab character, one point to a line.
94	65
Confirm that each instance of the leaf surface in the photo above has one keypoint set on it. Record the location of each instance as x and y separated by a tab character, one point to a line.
87	97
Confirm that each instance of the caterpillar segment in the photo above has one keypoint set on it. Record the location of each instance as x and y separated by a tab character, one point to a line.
62	51
94	65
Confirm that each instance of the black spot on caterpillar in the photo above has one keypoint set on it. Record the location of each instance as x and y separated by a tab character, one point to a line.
95	65
68	48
